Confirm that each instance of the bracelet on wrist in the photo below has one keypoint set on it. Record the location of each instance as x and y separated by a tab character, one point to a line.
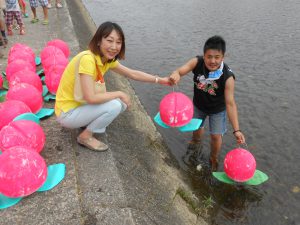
156	79
236	131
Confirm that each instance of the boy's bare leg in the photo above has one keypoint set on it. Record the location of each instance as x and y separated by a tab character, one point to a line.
197	136
215	145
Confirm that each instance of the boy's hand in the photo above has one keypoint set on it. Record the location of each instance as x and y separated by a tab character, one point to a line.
175	77
240	139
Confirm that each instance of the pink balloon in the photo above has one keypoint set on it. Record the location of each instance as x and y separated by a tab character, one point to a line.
22	172
21	47
1	82
28	77
54	61
239	165
176	109
53	76
28	94
11	109
51	51
61	45
16	66
22	133
23	55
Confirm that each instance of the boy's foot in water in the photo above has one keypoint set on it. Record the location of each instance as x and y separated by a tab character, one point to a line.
214	163
193	156
194	144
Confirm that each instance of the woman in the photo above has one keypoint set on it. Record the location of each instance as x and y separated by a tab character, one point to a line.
100	108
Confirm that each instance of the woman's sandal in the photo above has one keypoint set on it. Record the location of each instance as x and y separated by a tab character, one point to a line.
88	143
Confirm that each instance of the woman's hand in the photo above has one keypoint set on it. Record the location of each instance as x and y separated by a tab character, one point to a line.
175	77
240	139
124	98
164	81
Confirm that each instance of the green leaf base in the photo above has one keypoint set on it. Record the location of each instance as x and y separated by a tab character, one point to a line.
258	178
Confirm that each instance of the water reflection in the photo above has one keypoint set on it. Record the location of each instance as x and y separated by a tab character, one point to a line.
233	202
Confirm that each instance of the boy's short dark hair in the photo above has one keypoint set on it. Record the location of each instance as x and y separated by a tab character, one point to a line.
102	32
215	42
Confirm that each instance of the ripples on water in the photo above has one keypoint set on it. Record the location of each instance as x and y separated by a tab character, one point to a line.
263	49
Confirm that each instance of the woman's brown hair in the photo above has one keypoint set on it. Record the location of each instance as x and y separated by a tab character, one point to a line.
102	32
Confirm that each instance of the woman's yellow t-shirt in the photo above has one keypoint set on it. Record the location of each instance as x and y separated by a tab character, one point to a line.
65	93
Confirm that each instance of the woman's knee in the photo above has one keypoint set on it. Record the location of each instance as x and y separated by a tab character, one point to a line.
116	106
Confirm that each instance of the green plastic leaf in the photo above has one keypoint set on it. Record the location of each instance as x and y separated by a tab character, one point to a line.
5	84
44	112
2	98
56	174
193	125
28	116
3	92
221	176
49	97
6	202
37	60
40	72
158	120
258	178
45	90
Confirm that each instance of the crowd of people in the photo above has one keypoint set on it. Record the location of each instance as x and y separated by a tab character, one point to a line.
12	13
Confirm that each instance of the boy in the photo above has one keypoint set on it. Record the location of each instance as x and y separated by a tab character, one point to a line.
213	95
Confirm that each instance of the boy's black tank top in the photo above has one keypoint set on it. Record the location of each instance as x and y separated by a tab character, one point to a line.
209	97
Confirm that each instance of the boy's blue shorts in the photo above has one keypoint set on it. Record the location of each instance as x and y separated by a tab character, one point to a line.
217	121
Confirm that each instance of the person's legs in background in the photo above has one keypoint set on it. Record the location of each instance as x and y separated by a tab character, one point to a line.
33	6
2	29
9	17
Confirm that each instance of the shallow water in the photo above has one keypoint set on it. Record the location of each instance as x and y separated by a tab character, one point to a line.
263	49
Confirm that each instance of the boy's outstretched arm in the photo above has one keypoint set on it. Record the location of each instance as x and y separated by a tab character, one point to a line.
183	70
232	112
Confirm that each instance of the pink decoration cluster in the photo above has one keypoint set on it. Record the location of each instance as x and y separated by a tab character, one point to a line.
22	169
24	84
54	60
